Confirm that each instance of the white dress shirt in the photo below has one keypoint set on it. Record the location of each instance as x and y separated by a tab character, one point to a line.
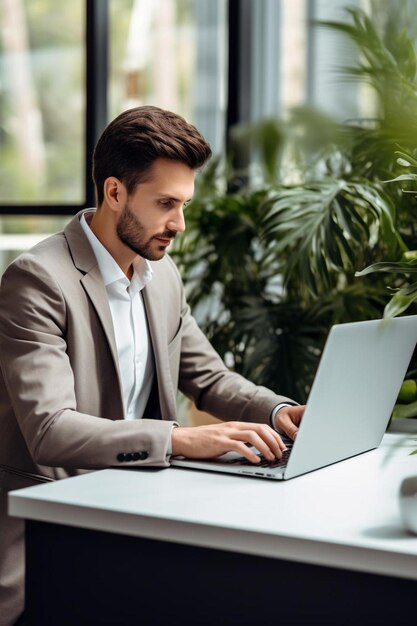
136	362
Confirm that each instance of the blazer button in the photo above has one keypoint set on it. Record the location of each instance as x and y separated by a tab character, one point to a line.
140	456
125	457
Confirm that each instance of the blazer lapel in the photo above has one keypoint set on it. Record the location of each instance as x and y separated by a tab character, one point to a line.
84	259
157	331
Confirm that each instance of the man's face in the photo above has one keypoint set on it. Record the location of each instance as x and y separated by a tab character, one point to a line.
153	214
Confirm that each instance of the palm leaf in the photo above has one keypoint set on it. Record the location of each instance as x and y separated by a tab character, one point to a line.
409	267
322	226
397	305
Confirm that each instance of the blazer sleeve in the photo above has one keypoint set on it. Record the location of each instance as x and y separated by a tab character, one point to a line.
39	381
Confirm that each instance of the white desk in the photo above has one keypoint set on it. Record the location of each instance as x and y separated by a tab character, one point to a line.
344	517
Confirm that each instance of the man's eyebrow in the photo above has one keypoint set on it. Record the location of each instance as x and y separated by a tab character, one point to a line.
168	196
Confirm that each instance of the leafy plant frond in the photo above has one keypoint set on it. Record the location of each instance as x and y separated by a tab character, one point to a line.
404	295
322	228
399	267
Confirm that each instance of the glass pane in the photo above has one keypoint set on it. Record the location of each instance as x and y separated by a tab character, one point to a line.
42	102
330	52
293	54
156	47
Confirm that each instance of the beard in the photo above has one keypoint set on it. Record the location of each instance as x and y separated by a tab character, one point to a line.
133	234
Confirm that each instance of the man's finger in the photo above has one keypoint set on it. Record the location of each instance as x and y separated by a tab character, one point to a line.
264	442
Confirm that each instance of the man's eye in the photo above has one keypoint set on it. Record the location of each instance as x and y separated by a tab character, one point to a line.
166	203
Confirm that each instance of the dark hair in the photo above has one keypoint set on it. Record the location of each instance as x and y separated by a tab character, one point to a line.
131	143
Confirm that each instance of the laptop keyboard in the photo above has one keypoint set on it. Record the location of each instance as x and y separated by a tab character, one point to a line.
264	462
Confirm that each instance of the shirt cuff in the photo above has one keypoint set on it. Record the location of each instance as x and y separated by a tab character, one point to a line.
275	410
169	448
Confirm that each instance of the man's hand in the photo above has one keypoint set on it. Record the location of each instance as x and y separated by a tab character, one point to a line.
203	442
288	419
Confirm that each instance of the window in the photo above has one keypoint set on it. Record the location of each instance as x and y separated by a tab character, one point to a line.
42	103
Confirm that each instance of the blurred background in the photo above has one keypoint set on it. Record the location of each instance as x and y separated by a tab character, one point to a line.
310	107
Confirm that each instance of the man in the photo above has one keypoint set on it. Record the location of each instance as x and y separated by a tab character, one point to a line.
96	337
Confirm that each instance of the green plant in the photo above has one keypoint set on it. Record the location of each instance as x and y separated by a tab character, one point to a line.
270	268
270	264
404	271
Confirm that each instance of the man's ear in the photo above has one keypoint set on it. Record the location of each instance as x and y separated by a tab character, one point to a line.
114	193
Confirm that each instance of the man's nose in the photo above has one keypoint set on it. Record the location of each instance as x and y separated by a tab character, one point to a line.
177	221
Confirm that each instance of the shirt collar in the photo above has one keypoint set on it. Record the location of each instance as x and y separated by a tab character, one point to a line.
109	268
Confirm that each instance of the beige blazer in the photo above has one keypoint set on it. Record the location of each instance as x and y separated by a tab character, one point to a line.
61	408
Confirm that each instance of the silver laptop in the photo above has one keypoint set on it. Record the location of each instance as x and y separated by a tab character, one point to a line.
348	409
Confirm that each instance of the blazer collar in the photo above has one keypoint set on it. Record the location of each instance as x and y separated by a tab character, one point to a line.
82	253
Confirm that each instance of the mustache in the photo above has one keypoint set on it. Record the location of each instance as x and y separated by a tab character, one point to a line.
167	234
